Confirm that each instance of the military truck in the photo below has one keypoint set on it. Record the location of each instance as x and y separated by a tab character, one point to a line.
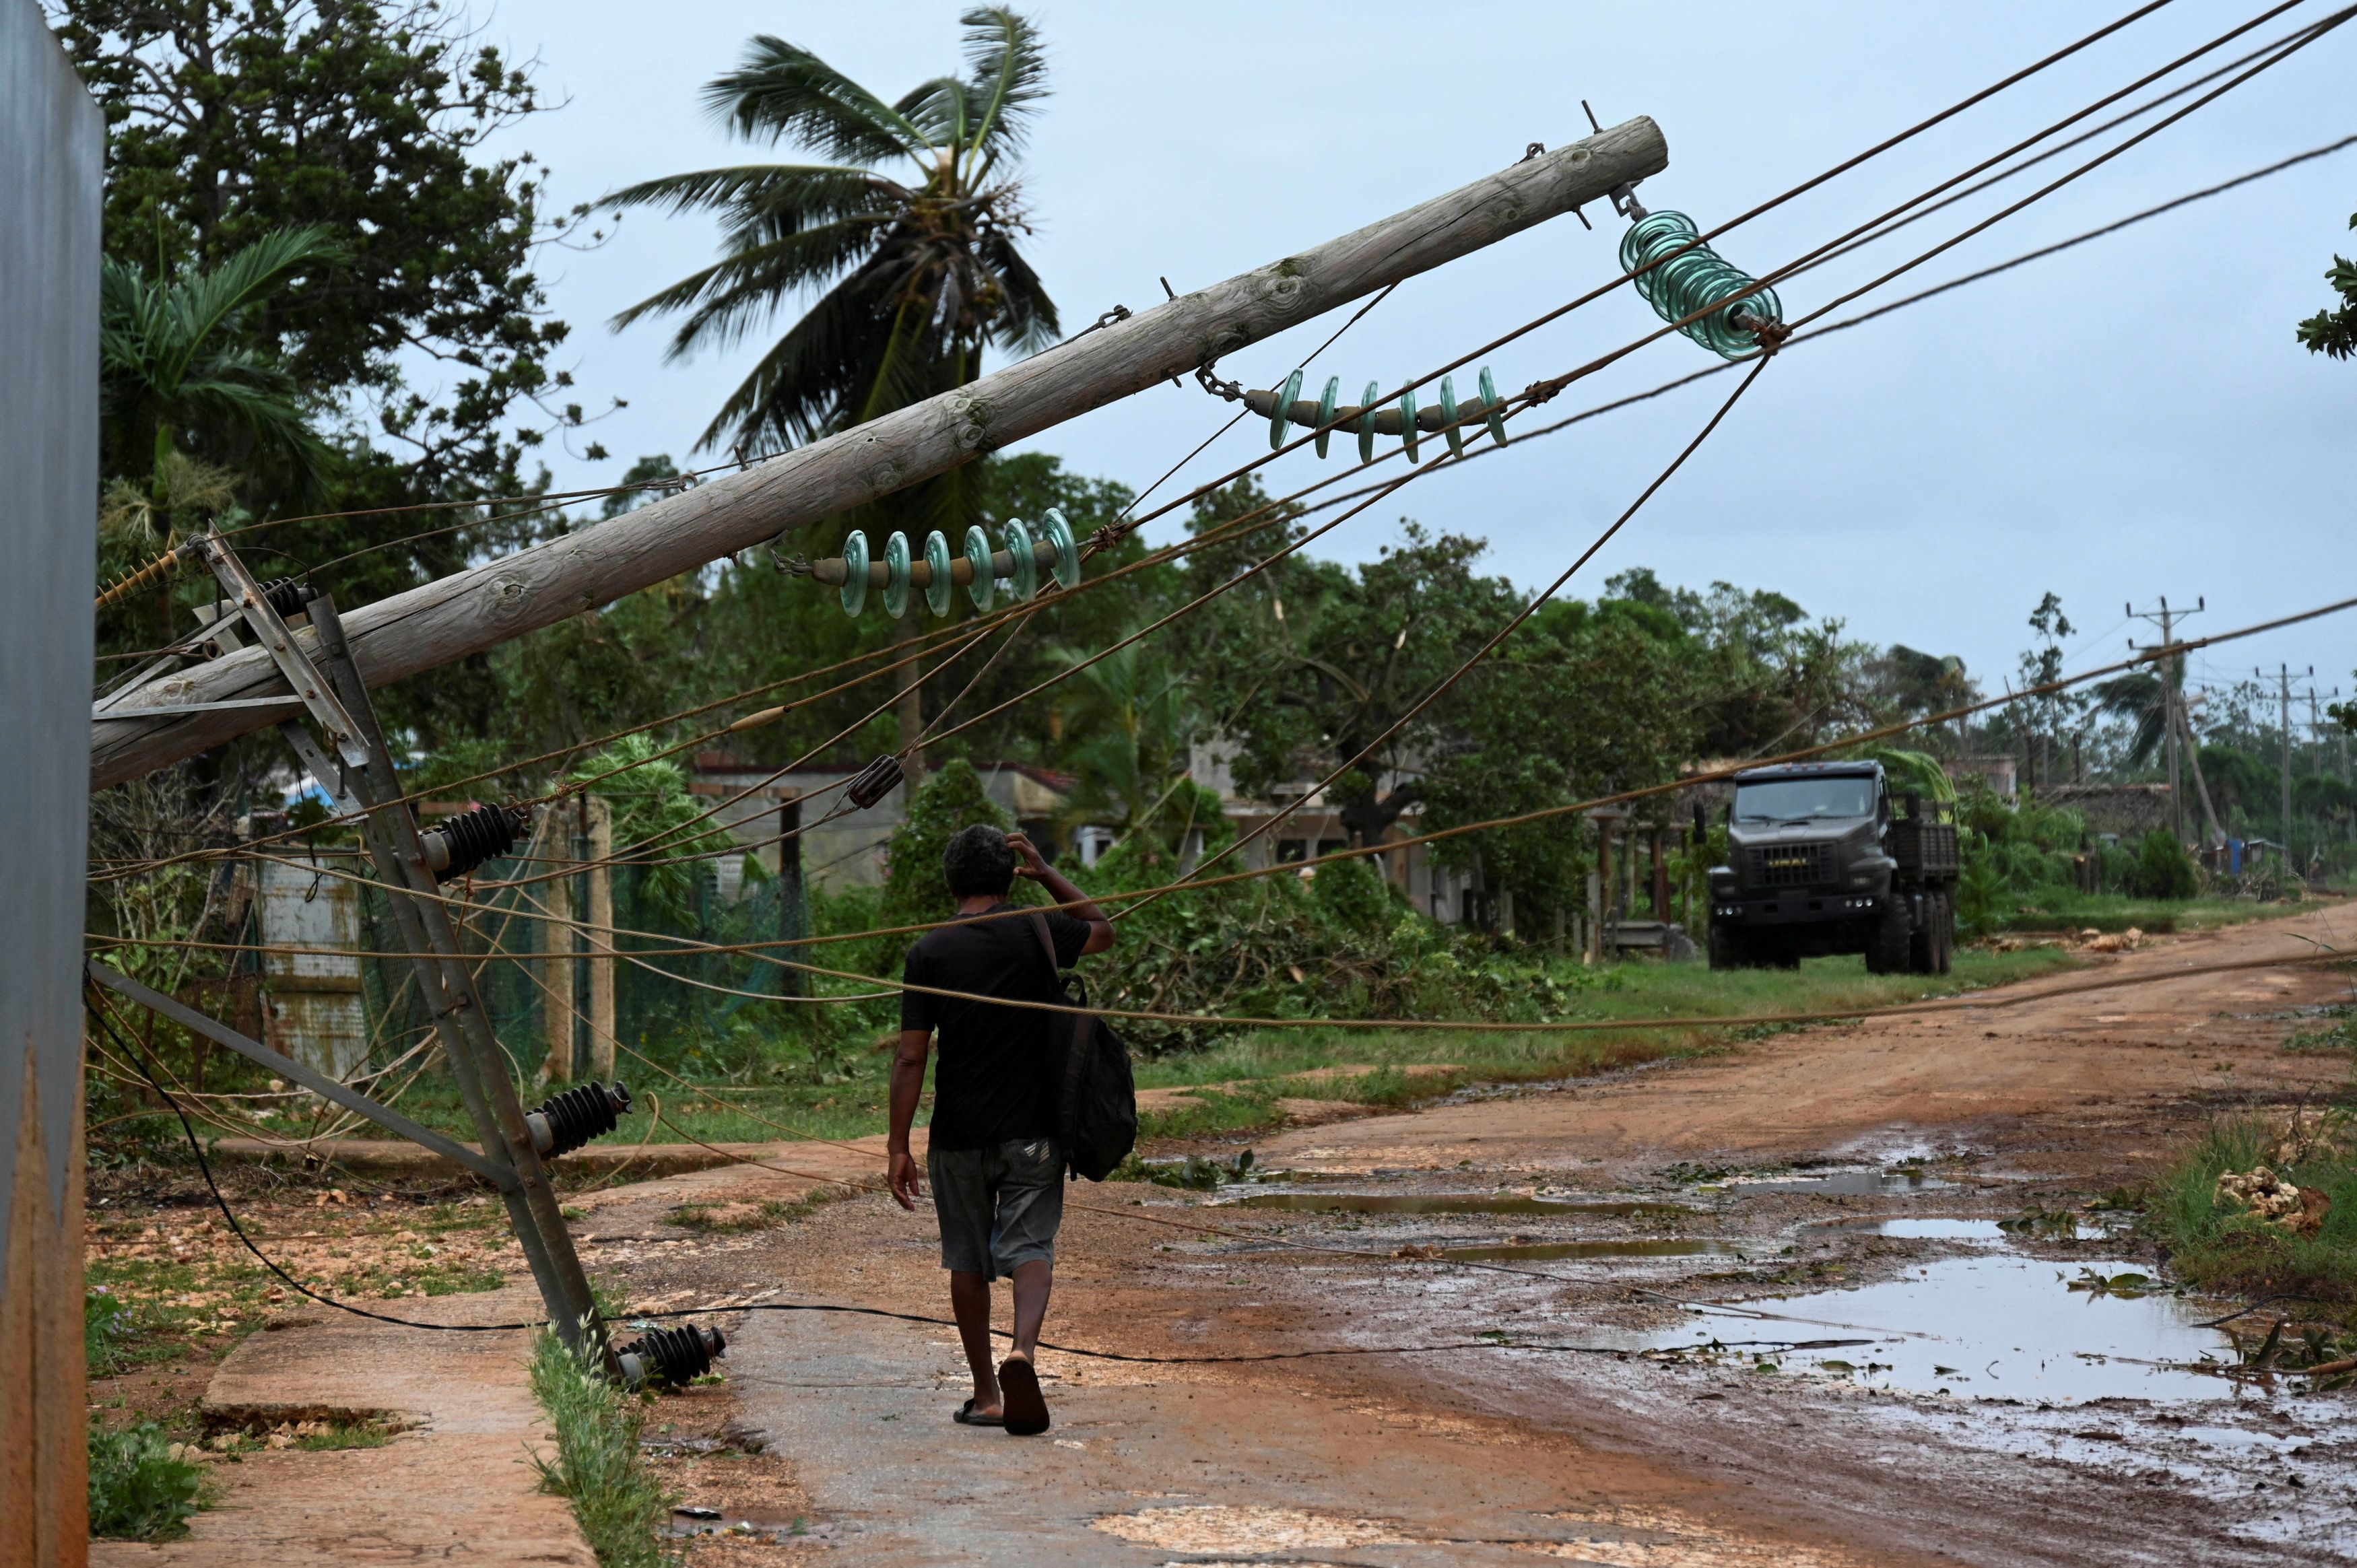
1823	859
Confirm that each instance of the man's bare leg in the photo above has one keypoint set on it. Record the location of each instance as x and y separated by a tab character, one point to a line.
970	1300
1032	1283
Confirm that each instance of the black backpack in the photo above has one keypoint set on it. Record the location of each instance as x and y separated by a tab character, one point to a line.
1096	1113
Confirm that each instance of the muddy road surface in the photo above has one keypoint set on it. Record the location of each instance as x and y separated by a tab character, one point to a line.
1833	1297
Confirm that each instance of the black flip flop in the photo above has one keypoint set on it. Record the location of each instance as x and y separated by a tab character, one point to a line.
1020	1396
964	1416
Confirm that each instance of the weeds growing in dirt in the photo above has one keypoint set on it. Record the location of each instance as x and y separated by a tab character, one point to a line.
2217	1243
598	1468
141	1485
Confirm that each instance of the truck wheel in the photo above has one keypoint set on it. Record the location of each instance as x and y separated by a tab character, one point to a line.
1888	940
1726	948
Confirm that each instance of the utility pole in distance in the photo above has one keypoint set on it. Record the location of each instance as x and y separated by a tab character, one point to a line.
2283	687
2316	725
2172	672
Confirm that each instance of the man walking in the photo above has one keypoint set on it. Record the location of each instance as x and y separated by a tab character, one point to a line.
991	1154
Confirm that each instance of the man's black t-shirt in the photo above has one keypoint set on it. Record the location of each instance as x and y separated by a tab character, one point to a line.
993	1083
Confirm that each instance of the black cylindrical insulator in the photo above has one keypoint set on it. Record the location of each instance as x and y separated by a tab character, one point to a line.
674	1356
287	597
472	838
565	1122
875	781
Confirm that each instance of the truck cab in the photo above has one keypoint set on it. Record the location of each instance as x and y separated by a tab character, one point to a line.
1821	859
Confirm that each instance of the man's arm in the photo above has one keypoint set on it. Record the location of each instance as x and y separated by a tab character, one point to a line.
908	1084
1076	903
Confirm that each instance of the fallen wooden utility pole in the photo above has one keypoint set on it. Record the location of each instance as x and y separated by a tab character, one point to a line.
479	608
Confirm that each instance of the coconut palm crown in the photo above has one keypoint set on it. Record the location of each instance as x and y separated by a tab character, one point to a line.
915	274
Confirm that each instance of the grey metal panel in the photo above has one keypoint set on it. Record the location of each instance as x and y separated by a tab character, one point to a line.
52	145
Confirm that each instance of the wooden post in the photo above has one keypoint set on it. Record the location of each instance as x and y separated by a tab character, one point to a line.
52	144
793	899
499	600
1599	889
600	918
1661	877
558	1012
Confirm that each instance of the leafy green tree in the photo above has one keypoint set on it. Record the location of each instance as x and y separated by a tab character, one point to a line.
1776	679
918	273
1310	664
229	120
2052	712
2334	331
952	798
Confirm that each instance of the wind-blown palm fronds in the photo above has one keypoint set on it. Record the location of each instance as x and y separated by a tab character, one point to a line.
171	364
2141	698
914	273
1127	723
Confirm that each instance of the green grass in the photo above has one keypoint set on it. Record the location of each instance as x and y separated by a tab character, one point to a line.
130	1318
598	1468
2057	911
139	1488
725	1219
2215	1246
1629	994
1254	1068
339	1434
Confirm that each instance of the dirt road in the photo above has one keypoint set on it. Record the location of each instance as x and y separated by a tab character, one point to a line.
1813	1187
2102	1070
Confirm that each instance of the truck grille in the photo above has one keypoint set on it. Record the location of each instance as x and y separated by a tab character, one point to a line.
1792	865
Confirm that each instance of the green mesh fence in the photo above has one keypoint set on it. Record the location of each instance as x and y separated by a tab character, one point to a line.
682	1009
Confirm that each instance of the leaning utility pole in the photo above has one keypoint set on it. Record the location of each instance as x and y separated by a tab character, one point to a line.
501	600
2172	671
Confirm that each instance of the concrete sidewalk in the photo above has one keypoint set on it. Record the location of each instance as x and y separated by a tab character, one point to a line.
456	1486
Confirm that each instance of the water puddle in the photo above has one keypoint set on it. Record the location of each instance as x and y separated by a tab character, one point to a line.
1930	1230
1539	1250
1442	1203
1843	1183
2002	1326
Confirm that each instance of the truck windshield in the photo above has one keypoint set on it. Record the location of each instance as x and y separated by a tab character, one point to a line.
1799	799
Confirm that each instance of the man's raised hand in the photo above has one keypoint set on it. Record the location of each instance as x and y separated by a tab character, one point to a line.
1033	865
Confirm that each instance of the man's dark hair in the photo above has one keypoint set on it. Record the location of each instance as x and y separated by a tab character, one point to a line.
979	862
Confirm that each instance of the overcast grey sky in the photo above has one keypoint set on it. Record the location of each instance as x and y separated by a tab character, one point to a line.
2131	419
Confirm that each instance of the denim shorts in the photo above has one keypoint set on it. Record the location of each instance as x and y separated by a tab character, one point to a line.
999	1207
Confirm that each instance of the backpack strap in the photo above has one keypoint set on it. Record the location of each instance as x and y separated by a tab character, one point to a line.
1047	945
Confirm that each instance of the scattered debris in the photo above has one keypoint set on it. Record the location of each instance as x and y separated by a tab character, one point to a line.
2266	1197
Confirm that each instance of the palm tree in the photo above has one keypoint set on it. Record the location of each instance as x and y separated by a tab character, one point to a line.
174	367
918	273
2141	699
176	371
1127	725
